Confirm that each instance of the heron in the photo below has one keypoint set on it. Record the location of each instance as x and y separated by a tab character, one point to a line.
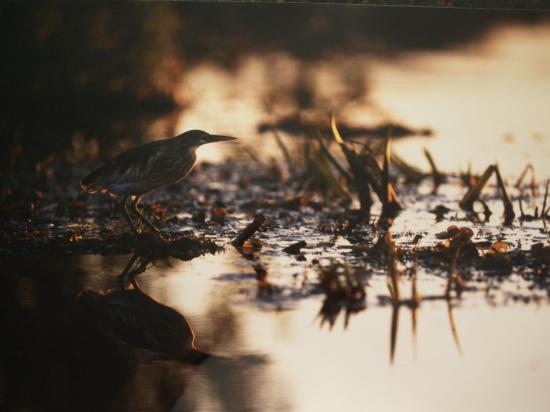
148	167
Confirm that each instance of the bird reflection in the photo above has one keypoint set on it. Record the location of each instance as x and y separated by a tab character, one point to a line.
130	272
141	321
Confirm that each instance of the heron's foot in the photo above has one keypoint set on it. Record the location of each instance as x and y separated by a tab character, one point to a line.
144	219
143	229
151	226
127	216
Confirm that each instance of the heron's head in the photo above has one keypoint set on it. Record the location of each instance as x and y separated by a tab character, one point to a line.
199	137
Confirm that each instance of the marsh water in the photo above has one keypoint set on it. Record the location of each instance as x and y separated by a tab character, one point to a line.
287	347
280	356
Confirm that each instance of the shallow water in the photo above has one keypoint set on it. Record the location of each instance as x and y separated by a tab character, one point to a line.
273	356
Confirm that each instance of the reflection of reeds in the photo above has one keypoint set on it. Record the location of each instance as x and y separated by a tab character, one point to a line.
415	296
393	331
413	302
344	288
454	331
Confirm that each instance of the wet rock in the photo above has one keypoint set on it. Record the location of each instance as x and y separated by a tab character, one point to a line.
294	249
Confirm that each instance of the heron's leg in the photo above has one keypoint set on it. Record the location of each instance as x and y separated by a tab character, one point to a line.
124	208
131	274
144	262
125	271
142	216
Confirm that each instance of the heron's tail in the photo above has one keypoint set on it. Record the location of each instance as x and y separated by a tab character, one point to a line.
91	183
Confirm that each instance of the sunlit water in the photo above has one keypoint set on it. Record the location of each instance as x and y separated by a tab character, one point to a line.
499	362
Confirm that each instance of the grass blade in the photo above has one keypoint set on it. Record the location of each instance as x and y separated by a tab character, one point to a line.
284	151
508	207
467	202
438	177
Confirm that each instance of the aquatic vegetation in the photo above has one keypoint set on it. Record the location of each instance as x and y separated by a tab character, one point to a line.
367	175
467	201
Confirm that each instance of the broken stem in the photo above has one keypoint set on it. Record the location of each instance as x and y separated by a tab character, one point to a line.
523	174
467	202
249	230
437	176
508	207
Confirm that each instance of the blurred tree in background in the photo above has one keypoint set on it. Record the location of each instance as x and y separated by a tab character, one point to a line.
108	71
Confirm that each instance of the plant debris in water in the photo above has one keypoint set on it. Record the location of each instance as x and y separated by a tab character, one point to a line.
314	201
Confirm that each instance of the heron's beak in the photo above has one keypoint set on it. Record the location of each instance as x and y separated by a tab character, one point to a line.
218	138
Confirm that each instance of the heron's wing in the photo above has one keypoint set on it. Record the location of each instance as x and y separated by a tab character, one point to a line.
132	166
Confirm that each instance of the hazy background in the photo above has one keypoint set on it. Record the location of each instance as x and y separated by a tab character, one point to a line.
117	74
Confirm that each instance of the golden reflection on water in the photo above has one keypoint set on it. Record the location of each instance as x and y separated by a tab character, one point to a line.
487	102
504	363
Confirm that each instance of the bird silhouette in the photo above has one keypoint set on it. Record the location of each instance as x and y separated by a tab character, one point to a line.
148	167
141	321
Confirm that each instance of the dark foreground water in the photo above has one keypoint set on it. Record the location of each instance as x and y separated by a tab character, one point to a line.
270	355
